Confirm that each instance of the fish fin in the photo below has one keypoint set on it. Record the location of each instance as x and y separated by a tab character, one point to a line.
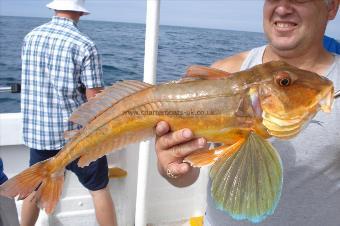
187	79
48	186
70	133
49	192
203	72
105	99
114	144
116	172
202	158
247	185
208	157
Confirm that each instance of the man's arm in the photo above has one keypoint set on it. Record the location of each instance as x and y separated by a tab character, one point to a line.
92	92
231	64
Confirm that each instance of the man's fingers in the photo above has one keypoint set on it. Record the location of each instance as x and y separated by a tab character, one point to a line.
176	169
172	147
182	150
162	128
174	138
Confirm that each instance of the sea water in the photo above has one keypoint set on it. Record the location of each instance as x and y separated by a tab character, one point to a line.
121	46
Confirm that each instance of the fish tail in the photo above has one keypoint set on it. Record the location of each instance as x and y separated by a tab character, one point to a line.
40	178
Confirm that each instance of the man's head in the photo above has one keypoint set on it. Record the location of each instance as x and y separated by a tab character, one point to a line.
292	24
73	8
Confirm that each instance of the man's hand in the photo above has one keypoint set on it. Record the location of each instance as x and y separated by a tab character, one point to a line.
90	93
171	149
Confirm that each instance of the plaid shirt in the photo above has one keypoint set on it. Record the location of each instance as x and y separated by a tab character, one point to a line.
57	61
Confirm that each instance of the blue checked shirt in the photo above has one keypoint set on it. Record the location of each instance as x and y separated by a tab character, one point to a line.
57	60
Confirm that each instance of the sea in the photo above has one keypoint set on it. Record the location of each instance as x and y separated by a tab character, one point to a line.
121	46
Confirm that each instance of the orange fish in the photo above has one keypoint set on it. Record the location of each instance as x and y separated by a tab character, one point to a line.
239	110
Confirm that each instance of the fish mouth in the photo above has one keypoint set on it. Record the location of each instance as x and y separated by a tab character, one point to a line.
286	128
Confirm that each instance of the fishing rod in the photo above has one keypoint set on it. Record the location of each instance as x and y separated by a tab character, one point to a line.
337	94
14	88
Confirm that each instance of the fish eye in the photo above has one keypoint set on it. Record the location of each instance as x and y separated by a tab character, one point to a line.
285	82
283	79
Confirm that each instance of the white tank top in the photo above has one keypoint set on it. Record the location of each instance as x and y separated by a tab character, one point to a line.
311	164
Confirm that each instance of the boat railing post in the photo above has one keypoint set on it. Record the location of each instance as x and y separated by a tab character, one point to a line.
150	66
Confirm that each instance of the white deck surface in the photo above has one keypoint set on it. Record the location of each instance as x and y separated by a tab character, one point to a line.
166	205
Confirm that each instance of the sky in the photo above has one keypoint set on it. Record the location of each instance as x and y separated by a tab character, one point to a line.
244	15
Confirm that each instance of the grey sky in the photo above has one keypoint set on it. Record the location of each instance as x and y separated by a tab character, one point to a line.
243	15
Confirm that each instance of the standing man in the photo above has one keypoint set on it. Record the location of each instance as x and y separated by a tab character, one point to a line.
61	69
311	194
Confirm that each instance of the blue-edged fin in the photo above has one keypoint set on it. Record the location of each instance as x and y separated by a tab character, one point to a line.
247	185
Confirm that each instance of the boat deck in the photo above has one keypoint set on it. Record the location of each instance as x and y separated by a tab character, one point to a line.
165	206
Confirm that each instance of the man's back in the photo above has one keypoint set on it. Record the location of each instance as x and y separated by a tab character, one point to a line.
54	57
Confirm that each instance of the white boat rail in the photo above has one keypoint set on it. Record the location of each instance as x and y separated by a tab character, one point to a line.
150	70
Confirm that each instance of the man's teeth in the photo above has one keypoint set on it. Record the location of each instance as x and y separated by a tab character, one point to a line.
284	25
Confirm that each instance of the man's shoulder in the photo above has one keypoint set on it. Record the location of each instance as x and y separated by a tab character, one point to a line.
69	34
232	63
79	38
87	41
37	29
74	35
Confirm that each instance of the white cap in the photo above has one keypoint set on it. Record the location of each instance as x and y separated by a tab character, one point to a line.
68	5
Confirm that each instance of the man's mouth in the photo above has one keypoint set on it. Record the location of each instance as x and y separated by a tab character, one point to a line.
284	25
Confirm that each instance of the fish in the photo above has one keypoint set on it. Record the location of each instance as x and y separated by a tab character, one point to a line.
238	110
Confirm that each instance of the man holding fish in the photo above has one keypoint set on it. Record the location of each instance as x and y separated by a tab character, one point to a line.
311	189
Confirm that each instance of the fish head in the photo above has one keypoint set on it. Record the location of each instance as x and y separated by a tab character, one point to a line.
290	97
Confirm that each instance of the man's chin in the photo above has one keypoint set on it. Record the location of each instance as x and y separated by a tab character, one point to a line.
284	45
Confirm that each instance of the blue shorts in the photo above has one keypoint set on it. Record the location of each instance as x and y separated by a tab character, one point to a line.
93	177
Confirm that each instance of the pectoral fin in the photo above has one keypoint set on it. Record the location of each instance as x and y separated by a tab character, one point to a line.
247	185
208	157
